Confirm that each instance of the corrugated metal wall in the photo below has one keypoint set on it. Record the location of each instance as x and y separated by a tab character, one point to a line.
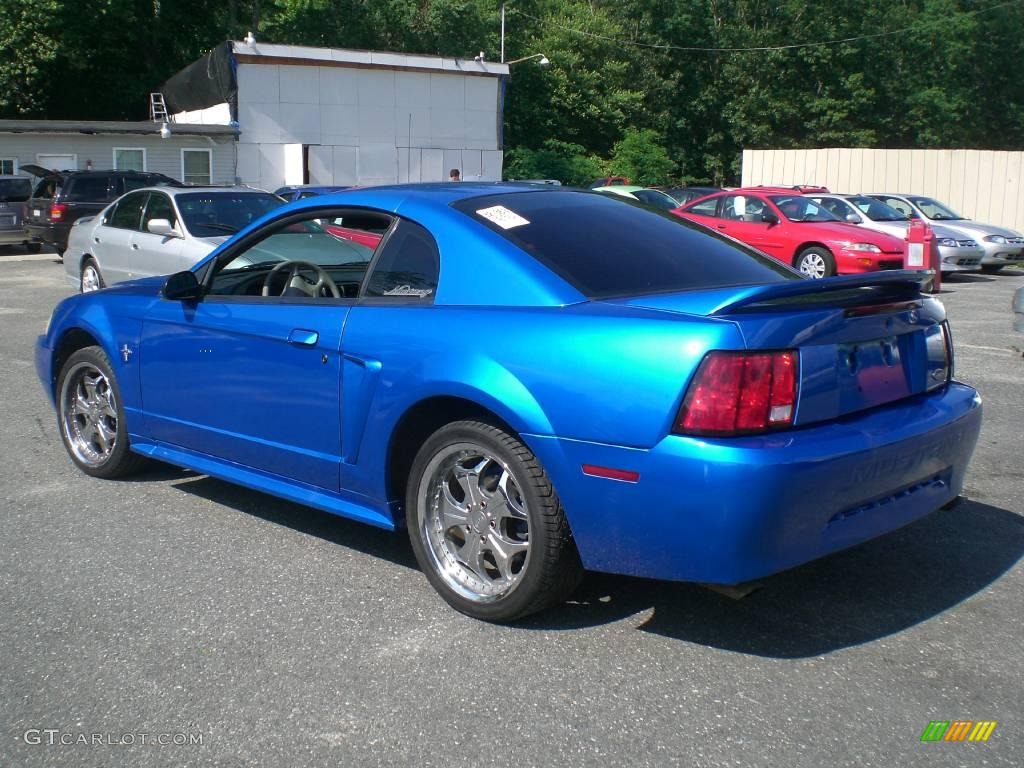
985	186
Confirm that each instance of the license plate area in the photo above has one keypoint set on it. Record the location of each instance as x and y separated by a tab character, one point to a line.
873	372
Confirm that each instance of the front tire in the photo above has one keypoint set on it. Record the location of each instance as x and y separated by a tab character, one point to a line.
991	269
90	416
90	279
34	247
486	525
815	262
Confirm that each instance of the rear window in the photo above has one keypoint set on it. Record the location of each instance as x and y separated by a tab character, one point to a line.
606	247
15	190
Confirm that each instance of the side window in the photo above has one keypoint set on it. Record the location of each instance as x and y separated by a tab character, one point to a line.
833	206
407	268
87	189
128	212
707	208
158	207
132	183
302	258
742	208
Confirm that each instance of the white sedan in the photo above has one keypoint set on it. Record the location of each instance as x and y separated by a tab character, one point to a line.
157	231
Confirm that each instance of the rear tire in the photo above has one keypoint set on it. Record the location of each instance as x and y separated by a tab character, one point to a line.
486	525
90	279
34	247
815	262
90	416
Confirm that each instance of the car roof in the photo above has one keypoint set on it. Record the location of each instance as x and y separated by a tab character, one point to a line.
174	190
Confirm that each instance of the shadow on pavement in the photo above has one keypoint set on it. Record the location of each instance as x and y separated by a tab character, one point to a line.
391	546
865	593
876	589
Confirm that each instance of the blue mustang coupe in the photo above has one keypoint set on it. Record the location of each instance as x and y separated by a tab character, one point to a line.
534	381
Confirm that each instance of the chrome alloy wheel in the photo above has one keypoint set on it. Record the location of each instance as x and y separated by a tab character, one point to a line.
476	525
88	414
813	265
90	278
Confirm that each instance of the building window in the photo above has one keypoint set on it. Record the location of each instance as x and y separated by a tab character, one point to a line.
8	166
195	166
129	159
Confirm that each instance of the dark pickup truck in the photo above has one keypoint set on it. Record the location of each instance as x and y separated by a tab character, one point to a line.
62	197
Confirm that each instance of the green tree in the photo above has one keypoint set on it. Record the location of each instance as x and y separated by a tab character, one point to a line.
28	44
640	156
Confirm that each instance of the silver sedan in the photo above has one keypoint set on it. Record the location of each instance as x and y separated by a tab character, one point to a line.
157	231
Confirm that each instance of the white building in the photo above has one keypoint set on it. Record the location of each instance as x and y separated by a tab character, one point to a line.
345	117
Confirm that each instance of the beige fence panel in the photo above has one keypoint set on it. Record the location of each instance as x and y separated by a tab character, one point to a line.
982	185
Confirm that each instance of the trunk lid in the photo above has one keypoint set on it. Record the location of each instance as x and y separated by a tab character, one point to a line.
863	340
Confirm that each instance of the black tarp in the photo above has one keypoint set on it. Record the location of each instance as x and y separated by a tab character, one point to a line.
204	83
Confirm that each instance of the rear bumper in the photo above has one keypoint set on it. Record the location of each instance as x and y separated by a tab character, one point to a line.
727	511
53	234
13	236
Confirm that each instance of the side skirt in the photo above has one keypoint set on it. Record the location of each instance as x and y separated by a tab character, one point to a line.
259	481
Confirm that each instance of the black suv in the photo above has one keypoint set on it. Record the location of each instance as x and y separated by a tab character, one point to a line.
62	197
14	192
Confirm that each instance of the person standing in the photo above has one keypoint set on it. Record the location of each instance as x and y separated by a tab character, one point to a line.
454	175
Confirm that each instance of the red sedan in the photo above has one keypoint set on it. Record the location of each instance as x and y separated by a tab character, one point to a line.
794	229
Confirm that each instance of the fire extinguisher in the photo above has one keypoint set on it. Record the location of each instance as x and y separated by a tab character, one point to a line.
922	252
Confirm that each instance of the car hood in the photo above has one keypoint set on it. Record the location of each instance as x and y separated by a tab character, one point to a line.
978	229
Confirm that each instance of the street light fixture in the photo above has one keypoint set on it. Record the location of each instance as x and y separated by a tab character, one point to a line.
543	60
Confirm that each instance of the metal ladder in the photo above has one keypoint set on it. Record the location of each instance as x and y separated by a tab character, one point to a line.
157	108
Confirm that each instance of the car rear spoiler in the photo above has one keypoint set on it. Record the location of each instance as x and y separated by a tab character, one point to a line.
876	288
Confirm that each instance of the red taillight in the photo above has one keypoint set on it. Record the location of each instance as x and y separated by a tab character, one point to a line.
740	393
57	211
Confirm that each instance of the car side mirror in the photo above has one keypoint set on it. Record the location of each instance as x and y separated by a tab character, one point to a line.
182	286
769	218
162	227
853	218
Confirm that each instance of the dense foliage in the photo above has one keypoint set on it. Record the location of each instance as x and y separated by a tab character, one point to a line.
625	93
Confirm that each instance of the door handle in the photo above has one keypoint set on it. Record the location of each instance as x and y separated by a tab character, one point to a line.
722	226
303	338
135	246
96	239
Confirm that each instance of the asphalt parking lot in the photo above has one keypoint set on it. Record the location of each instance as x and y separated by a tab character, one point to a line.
180	606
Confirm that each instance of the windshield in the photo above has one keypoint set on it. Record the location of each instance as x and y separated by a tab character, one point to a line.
802	209
933	209
877	210
605	246
15	190
656	199
214	214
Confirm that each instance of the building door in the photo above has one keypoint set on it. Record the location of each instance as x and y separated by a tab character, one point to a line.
58	162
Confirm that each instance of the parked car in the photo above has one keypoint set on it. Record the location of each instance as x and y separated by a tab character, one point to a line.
1002	246
652	197
62	197
790	226
686	195
302	191
674	406
956	253
1018	309
14	193
157	231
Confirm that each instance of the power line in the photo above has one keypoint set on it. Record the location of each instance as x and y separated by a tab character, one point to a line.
789	47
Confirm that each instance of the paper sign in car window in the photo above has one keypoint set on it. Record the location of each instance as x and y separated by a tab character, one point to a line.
502	216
